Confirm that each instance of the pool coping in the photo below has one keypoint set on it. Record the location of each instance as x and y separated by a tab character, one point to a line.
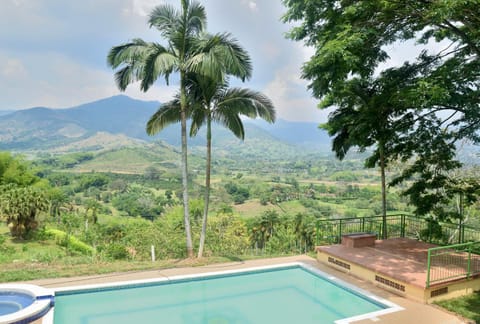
38	306
390	306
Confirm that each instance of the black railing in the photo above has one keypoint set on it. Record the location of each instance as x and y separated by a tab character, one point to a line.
330	231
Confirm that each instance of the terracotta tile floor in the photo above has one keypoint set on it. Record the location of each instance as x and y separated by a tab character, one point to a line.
402	259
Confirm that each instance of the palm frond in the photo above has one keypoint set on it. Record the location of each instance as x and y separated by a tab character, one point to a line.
218	55
245	102
196	18
127	53
127	75
200	116
233	122
166	18
159	62
167	114
130	58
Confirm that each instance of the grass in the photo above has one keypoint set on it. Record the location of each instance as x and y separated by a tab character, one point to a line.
468	306
23	270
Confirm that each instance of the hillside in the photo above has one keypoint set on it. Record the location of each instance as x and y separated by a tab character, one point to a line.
305	134
67	129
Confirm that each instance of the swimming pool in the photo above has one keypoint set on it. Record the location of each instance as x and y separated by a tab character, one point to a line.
290	293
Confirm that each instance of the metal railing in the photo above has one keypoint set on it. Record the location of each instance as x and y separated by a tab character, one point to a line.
330	231
456	261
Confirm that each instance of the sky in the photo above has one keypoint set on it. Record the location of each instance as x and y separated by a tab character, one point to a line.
53	52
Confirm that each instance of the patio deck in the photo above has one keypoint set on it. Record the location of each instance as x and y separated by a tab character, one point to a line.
399	265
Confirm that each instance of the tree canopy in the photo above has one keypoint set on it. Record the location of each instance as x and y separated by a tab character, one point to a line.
435	103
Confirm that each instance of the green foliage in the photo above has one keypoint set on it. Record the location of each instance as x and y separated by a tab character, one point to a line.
227	235
409	110
467	306
137	201
4	249
71	160
96	180
16	171
115	251
433	232
238	193
71	243
19	207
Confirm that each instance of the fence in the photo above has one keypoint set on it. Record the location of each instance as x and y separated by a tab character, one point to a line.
330	231
452	262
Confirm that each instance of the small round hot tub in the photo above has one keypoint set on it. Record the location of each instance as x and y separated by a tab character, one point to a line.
22	303
14	301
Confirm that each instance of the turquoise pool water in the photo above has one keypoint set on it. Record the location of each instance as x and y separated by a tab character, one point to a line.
286	295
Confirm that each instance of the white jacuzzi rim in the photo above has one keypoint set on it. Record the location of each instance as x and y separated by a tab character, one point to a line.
38	306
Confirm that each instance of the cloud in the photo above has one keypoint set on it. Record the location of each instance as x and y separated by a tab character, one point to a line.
291	98
142	7
13	69
252	5
56	81
63	63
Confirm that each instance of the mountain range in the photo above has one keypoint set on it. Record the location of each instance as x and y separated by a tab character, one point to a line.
121	120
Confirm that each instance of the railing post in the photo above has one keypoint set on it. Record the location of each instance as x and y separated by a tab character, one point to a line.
469	261
363	224
460	231
428	268
317	234
339	232
402	226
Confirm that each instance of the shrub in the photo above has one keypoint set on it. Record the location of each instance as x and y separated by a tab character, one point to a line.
115	251
70	242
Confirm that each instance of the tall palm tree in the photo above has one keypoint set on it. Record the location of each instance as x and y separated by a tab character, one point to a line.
214	101
187	50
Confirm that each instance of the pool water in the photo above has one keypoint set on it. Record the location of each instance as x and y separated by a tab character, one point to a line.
287	295
11	302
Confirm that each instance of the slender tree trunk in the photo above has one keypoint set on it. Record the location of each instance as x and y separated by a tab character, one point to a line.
384	191
203	234
186	212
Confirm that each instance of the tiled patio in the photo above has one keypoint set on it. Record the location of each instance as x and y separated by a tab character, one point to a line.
402	259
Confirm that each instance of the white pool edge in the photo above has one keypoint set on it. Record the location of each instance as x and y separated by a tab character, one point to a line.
392	307
36	308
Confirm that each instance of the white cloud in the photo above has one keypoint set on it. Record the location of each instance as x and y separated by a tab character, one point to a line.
63	63
13	69
291	99
252	5
56	81
144	7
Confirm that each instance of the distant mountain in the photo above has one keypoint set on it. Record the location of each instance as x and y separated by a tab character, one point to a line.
42	128
45	128
306	134
6	112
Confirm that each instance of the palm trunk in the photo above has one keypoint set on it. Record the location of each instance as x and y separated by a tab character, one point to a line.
384	191
186	212
203	234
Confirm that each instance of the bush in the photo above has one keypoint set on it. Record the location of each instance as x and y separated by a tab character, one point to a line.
227	235
70	242
115	251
